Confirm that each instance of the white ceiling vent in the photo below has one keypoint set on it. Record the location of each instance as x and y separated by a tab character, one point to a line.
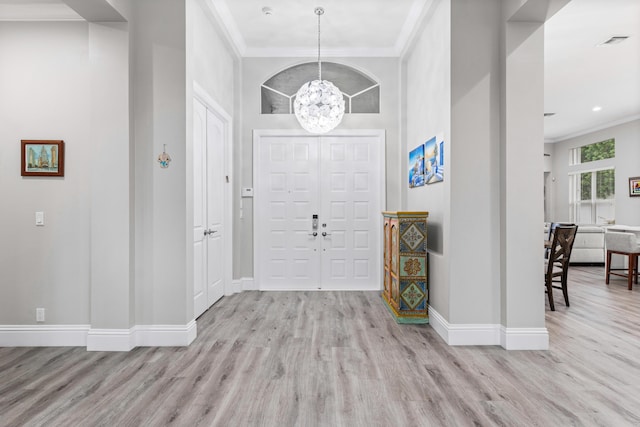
613	40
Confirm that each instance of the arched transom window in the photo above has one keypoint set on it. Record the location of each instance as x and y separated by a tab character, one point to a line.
361	93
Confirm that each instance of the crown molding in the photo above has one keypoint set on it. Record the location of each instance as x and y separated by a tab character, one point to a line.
593	129
228	26
231	31
411	24
303	52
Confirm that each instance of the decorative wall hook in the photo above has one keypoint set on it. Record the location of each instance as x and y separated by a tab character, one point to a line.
164	158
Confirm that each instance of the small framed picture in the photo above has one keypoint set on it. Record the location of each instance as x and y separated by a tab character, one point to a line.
42	158
416	167
634	186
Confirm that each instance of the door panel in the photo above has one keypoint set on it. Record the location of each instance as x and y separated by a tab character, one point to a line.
288	258
199	209
351	208
215	207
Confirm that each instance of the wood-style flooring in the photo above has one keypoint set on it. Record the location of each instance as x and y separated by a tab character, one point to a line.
338	359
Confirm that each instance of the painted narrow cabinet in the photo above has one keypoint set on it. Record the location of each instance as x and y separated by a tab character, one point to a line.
406	290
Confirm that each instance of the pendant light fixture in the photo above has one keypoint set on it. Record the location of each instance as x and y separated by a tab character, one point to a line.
319	105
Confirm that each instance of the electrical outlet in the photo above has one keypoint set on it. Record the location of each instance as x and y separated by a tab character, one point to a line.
39	314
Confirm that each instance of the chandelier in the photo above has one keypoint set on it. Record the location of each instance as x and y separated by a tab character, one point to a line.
319	105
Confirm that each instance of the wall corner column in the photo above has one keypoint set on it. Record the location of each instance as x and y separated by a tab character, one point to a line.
522	296
111	233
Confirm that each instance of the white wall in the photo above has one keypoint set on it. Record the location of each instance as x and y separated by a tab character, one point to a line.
626	163
256	71
44	87
211	61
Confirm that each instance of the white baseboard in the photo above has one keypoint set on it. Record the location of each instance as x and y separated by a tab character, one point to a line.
464	334
248	284
43	335
165	335
489	334
142	336
98	339
524	338
110	340
236	286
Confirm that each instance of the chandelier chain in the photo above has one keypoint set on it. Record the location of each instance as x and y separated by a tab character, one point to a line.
319	63
319	104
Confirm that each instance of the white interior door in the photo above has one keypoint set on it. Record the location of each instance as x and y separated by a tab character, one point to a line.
341	180
200	225
215	207
209	208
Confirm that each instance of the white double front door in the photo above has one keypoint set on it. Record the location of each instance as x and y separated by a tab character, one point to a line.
317	210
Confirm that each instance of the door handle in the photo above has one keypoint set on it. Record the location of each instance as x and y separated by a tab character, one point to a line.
314	234
324	234
207	232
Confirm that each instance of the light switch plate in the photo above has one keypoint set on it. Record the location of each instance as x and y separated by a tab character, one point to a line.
39	218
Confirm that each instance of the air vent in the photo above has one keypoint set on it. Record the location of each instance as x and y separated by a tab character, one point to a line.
549	114
613	40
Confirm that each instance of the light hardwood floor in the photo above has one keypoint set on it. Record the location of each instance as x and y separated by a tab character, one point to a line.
338	359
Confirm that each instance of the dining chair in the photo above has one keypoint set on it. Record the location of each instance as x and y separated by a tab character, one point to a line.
552	228
557	265
622	244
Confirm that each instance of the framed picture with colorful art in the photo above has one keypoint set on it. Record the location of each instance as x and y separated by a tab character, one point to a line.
416	167
42	157
434	160
634	186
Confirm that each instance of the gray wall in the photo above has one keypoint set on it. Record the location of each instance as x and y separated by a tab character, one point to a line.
468	67
256	71
453	87
114	249
212	64
159	46
427	111
626	163
45	84
473	238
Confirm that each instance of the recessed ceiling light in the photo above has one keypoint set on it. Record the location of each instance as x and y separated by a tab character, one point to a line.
596	108
613	40
267	10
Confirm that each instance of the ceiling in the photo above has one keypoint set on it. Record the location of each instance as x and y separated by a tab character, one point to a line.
36	10
579	74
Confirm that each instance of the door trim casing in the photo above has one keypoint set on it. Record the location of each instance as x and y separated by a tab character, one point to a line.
201	95
258	134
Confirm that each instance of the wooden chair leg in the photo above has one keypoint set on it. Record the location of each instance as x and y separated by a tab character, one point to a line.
565	292
550	293
631	270
608	267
